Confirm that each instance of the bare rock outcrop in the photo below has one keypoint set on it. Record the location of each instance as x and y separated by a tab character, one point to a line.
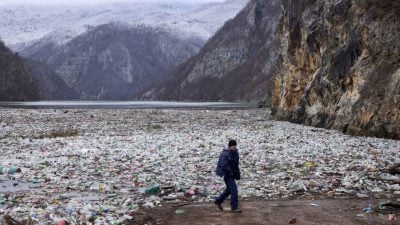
340	66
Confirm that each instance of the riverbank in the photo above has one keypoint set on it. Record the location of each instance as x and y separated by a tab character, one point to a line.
270	212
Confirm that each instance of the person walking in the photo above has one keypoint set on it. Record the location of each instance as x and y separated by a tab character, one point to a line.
228	168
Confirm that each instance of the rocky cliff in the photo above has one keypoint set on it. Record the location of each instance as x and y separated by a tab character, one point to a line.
340	66
16	83
115	61
235	64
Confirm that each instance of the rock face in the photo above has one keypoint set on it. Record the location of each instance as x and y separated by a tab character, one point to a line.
235	64
115	61
16	83
340	66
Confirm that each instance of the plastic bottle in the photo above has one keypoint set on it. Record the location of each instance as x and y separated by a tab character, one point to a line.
35	183
368	209
10	170
153	190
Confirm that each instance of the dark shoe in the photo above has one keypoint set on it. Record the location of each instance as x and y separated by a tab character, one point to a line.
219	206
236	210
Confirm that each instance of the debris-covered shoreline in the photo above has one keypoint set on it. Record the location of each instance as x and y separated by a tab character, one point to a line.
98	165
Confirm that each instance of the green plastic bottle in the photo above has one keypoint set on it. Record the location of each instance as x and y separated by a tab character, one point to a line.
153	190
11	170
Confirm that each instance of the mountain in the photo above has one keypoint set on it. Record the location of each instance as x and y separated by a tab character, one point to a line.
340	66
114	61
109	51
325	63
235	64
24	25
51	86
16	83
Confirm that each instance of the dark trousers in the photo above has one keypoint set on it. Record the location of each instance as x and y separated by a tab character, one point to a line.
231	189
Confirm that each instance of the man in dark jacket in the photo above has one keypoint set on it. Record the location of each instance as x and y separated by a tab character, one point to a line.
228	168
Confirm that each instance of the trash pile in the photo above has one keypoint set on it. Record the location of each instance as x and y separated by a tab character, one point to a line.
387	210
116	162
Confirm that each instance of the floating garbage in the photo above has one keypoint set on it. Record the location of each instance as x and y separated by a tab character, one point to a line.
62	222
10	170
2	199
119	163
36	183
309	164
153	190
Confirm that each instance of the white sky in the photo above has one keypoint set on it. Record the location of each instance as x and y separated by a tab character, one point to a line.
80	2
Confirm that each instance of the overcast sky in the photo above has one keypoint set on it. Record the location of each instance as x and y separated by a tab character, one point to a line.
63	2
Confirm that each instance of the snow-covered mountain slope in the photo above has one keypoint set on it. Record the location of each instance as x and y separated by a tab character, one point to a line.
22	25
114	61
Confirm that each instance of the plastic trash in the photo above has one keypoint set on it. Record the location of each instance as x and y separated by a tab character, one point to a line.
368	209
179	212
10	170
2	199
36	183
392	217
62	222
153	190
149	205
116	161
309	164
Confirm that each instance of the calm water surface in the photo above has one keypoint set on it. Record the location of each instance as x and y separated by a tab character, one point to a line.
127	105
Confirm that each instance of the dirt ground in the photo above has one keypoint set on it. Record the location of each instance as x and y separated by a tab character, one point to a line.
335	212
